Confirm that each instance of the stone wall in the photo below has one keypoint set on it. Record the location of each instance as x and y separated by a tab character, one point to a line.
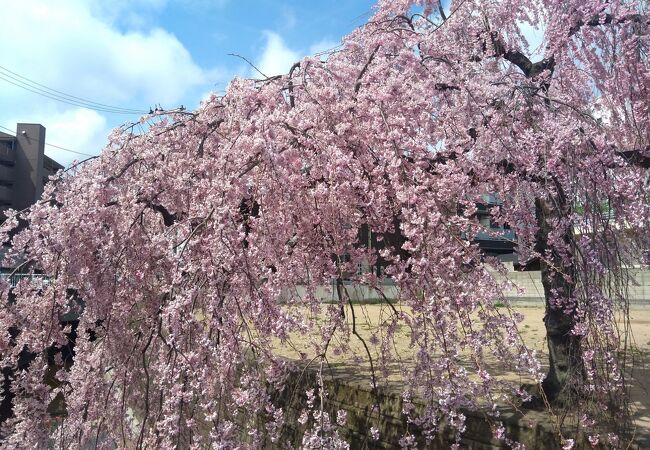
350	392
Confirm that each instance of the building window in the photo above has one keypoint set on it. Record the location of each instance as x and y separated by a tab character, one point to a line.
6	152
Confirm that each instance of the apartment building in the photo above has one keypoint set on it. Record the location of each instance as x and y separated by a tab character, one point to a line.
24	168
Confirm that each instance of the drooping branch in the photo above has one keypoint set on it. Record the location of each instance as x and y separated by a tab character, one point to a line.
212	126
357	84
123	170
250	64
248	208
607	19
292	98
530	69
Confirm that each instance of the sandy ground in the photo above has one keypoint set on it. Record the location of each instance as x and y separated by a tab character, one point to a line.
369	320
369	317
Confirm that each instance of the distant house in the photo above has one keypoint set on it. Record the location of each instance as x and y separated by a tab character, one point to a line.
24	168
495	240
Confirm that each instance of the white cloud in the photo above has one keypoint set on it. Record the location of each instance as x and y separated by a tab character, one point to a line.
83	130
277	58
70	46
109	52
67	46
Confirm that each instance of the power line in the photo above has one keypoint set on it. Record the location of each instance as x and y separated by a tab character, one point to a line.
62	99
45	91
68	150
4	69
52	145
337	47
363	15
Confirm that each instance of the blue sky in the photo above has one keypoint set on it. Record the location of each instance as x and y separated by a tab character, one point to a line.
138	53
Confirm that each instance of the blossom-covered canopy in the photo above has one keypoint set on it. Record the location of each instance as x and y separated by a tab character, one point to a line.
175	246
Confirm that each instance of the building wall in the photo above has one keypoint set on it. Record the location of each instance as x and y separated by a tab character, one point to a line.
28	185
356	292
527	289
24	168
7	162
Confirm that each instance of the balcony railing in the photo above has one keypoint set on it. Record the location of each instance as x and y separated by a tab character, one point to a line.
18	277
496	234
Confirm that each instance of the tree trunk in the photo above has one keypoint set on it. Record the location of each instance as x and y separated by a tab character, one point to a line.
558	278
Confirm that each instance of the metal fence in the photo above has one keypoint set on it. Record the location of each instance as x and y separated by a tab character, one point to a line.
17	277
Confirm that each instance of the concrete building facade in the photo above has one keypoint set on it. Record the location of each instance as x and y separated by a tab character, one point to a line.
24	168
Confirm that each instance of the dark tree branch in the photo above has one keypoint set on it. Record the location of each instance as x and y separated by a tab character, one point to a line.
636	157
606	19
250	64
357	85
169	219
446	87
292	99
441	11
529	69
124	169
507	167
211	127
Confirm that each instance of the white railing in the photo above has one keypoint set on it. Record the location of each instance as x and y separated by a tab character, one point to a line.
17	277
